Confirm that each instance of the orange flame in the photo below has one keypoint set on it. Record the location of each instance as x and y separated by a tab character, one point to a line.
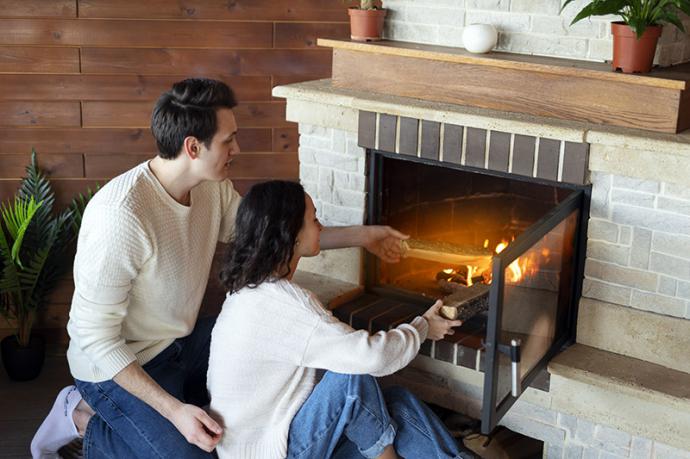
515	271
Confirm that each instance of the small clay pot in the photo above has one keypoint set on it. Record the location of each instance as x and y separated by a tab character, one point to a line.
630	54
366	25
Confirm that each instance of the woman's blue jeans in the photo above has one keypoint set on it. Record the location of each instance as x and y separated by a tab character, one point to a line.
345	417
349	417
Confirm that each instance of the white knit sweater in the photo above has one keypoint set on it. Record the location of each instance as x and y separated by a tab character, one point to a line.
141	269
265	349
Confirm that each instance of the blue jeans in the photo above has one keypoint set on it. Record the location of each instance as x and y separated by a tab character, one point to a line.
349	417
126	427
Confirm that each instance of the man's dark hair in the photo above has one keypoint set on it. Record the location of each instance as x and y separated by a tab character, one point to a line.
268	220
188	109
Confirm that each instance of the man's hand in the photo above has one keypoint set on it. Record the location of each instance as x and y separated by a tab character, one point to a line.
384	242
196	426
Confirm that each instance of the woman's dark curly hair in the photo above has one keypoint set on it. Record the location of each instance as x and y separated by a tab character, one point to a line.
268	220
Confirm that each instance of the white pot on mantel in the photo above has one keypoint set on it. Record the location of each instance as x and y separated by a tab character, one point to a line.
479	38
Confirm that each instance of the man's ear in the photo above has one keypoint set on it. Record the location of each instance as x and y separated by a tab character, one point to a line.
191	147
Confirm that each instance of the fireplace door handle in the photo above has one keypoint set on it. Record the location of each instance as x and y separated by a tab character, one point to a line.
516	386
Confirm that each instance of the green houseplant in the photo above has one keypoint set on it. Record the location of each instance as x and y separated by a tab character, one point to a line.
366	21
35	249
635	37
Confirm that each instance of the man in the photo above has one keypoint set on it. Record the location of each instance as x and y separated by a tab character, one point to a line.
137	352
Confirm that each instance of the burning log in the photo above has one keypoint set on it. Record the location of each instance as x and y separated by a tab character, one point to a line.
446	252
466	302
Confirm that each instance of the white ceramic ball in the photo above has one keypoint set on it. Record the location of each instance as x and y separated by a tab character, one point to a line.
479	38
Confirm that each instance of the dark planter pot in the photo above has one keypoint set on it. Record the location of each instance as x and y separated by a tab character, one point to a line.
631	55
366	25
23	363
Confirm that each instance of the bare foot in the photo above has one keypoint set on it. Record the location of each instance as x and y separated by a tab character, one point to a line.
388	453
81	416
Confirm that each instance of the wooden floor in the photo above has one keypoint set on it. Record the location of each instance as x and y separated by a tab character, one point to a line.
23	405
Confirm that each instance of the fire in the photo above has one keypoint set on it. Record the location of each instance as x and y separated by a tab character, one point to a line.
515	271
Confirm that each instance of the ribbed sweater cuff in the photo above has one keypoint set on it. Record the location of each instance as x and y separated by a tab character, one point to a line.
422	327
115	361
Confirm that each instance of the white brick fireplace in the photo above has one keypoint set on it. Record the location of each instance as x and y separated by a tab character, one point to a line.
624	389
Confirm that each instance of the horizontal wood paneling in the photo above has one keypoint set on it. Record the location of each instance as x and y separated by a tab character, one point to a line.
105	141
43	114
117	87
286	139
138	114
79	79
255	10
135	34
35	59
304	34
38	8
55	165
233	62
244	165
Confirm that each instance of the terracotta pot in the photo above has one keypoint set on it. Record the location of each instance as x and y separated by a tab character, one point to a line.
631	55
366	25
23	363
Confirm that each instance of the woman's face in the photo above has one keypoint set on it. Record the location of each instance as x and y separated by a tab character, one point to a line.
308	237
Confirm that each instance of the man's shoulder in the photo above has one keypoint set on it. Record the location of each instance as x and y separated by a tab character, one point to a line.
124	190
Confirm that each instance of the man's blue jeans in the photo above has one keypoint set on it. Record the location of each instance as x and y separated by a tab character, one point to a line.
126	427
349	417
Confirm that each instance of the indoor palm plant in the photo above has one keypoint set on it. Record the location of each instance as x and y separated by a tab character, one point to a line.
366	21
635	37
35	249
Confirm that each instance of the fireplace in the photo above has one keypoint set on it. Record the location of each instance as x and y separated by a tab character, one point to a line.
504	251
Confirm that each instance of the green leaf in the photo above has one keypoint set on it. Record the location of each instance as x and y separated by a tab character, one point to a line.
17	218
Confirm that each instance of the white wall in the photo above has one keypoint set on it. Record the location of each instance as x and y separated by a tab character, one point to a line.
525	27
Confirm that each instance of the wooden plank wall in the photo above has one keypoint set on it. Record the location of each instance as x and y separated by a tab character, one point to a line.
78	80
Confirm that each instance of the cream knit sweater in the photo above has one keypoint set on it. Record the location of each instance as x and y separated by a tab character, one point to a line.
265	349
141	269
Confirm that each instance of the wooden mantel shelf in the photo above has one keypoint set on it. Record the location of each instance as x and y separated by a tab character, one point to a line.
542	86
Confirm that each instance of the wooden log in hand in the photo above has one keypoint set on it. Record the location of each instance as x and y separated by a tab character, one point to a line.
445	252
467	302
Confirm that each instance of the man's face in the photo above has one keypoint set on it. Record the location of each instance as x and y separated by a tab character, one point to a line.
214	162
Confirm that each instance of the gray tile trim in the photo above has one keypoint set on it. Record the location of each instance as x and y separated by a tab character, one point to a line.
366	132
388	125
575	159
523	155
409	136
549	152
431	140
499	151
475	150
452	143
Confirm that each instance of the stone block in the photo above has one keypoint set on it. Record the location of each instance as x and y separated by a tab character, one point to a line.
640	448
537	44
678	206
335	161
640	249
625	235
668	286
347	198
601	190
606	292
434	16
504	22
545	7
632	198
635	184
306	156
676	190
452	36
494	5
585	431
677	245
568	423
532	411
545	432
669	265
590	452
629	277
572	451
338	215
683	290
662	451
306	129
611	253
601	50
353	149
602	230
308	173
610	455
339	140
613	440
649	218
553	451
658	303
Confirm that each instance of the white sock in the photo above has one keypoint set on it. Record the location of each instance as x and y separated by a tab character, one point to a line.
57	428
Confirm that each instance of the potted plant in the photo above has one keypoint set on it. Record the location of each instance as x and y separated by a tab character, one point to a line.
635	37
34	253
366	21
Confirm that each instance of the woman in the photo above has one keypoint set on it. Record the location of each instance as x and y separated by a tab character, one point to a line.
272	336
